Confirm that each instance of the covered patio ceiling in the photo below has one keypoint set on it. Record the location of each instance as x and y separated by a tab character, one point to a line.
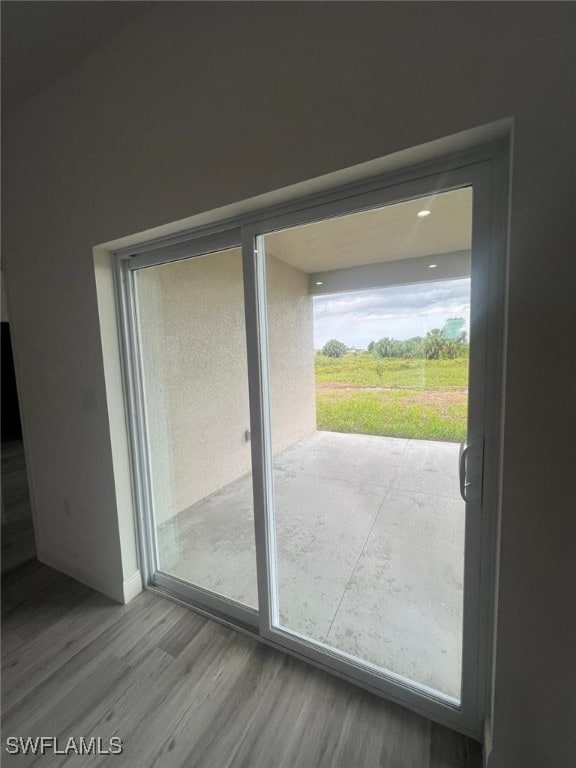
391	233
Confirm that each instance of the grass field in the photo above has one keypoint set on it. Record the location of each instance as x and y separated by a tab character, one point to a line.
423	399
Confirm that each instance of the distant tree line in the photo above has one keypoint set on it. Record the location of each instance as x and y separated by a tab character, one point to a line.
447	342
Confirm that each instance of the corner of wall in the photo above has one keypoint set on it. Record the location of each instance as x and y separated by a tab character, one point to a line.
132	586
107	584
487	743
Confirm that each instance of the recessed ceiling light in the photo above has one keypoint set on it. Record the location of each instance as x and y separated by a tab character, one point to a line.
423	214
432	266
319	282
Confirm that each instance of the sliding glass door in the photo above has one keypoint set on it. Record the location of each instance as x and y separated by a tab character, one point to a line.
368	389
193	376
307	391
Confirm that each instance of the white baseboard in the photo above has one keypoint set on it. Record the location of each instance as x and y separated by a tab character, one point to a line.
132	586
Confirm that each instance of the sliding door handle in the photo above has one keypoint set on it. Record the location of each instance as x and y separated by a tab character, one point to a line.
464	448
470	469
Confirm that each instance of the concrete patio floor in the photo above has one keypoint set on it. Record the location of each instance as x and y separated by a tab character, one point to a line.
370	544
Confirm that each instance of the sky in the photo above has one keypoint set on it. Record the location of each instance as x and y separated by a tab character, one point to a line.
359	317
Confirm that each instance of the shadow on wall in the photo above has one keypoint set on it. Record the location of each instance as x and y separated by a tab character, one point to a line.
18	545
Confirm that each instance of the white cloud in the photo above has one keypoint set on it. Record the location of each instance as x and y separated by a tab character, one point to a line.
400	312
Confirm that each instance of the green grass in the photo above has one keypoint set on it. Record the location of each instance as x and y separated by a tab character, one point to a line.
420	399
365	371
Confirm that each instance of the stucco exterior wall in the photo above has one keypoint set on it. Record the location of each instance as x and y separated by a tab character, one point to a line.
291	345
193	344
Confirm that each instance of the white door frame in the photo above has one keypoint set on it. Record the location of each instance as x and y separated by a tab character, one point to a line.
485	169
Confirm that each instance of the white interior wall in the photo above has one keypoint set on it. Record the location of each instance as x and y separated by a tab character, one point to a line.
197	105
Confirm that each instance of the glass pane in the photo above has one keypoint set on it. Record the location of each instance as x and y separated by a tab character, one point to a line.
368	343
193	359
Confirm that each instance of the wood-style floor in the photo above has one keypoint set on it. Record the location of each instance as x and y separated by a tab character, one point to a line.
181	690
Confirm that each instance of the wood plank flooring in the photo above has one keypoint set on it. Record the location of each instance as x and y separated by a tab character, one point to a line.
183	691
